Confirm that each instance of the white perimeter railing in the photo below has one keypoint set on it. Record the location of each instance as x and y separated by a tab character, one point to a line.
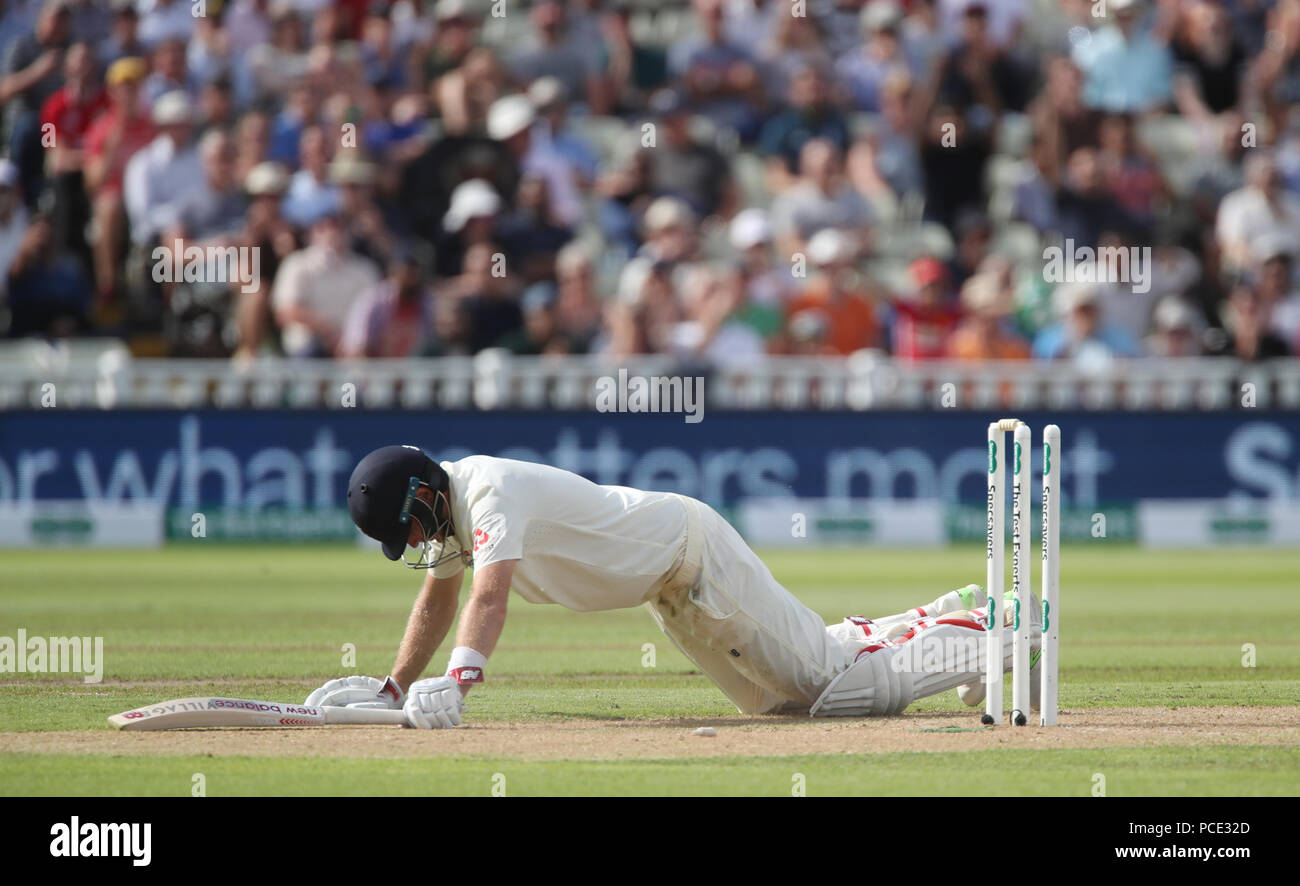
91	377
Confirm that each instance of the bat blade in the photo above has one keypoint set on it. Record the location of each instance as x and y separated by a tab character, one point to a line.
211	711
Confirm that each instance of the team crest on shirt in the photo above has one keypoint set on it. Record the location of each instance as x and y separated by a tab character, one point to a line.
481	539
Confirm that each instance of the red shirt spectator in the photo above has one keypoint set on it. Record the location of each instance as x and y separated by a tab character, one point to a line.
71	114
923	323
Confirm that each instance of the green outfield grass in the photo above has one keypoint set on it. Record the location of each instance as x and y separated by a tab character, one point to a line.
1138	629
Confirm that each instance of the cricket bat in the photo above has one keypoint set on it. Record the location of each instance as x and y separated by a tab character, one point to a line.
201	712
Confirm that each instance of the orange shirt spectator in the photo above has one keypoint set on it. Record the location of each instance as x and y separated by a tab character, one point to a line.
838	292
984	335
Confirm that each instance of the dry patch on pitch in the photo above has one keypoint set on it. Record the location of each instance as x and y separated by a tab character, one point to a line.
673	738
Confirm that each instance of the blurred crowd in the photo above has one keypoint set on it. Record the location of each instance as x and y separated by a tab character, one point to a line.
714	179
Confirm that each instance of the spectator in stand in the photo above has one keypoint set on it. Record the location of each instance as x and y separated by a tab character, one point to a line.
636	69
529	233
865	70
266	230
311	193
1277	291
114	136
1210	63
1130	172
540	333
796	42
687	167
316	287
1085	208
554	132
369	233
271	68
954	151
470	221
214	209
123	39
1062	122
925	318
978	78
162	20
247	24
1127	66
720	79
985	332
884	163
671	232
1004	19
48	294
1258	212
578	309
711	331
531	139
510	124
1246	320
1276	69
820	198
490	301
1175	330
839	292
557	51
767	287
974	234
393	318
30	72
159	175
625	190
465	95
252	142
809	115
170	72
455	34
13	221
66	117
1081	335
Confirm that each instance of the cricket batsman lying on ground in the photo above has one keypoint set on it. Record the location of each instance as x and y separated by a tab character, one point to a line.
555	537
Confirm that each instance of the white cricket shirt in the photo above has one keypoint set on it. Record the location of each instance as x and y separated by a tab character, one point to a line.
580	545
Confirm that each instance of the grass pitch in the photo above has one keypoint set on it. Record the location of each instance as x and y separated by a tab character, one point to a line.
1180	675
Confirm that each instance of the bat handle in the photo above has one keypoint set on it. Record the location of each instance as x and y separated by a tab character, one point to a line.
364	716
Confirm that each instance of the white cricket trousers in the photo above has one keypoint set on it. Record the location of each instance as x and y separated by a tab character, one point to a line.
756	641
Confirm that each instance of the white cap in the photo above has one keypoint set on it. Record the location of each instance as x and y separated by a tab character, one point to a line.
1272	244
880	14
981	294
471	199
266	178
450	9
1070	296
665	212
749	228
546	91
830	246
1173	313
509	116
172	109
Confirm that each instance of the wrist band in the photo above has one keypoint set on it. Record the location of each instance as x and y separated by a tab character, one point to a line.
466	665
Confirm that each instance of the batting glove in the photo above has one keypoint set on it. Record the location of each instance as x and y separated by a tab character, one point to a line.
434	703
358	692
